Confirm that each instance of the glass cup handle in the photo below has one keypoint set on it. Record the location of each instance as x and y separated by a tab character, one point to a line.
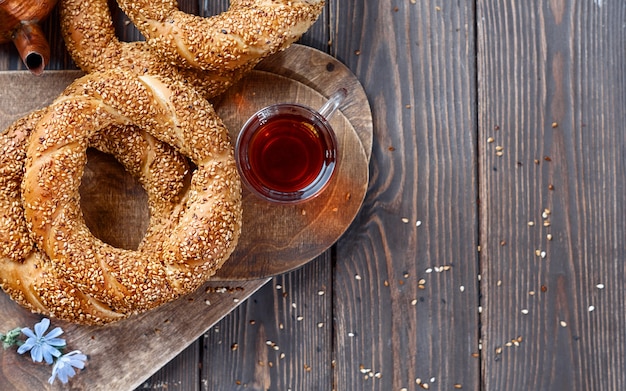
333	103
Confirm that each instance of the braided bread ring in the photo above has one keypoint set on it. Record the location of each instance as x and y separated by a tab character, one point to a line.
26	273
90	39
247	32
202	230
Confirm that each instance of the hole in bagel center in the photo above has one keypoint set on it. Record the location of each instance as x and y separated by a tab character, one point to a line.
114	204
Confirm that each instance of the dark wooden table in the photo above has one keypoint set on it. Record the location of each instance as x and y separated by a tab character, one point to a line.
490	251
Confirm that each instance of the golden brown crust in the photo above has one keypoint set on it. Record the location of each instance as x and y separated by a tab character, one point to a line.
26	273
90	39
196	238
247	32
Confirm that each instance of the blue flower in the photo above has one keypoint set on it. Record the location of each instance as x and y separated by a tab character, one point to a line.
42	347
64	366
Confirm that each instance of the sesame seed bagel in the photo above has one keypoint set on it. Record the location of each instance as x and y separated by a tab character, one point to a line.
26	273
247	32
75	276
89	35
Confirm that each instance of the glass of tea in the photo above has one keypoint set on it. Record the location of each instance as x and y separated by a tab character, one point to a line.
287	152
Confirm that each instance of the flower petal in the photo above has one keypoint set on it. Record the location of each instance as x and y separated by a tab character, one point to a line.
28	345
36	353
49	351
56	342
80	364
28	332
54	333
42	326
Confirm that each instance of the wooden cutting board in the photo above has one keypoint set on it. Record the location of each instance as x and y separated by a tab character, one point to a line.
142	344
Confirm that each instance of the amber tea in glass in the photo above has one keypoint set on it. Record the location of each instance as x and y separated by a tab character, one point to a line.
287	153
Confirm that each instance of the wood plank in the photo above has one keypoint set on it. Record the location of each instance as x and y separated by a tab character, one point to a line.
181	373
552	96
279	339
416	63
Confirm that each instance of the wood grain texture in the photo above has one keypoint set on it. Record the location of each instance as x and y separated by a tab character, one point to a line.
552	96
279	339
399	313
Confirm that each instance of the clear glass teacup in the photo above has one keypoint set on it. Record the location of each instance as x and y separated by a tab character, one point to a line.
287	153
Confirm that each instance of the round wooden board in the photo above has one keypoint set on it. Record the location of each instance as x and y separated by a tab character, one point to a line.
275	238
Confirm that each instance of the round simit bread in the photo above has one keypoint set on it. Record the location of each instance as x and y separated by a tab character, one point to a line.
64	271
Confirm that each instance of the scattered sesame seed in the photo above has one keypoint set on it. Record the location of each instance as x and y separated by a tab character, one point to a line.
279	286
414	302
299	318
600	286
418	223
357	277
531	223
549	236
320	325
490	140
405	220
591	308
555	124
462	288
320	293
563	323
525	311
